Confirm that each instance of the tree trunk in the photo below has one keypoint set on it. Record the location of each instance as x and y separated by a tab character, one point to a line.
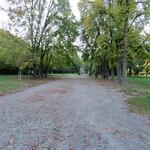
100	70
90	69
106	70
96	72
112	73
46	68
118	67
41	66
34	72
130	71
20	73
125	44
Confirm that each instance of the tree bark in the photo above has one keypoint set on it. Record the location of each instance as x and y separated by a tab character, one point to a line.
118	67
125	43
112	73
90	69
34	72
41	66
130	71
47	67
106	70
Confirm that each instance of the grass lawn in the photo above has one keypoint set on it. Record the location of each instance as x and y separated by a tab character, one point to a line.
11	83
139	89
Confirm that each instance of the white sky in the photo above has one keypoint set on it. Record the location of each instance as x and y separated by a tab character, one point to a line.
3	15
74	7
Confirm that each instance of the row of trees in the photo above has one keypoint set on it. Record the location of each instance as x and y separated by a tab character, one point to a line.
49	29
16	56
113	42
111	33
14	53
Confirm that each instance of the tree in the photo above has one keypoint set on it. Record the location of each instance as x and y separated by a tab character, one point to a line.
14	52
107	26
44	22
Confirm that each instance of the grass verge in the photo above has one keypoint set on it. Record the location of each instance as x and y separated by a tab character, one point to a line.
139	91
140	105
11	83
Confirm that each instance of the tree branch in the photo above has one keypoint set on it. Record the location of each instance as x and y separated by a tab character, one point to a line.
138	15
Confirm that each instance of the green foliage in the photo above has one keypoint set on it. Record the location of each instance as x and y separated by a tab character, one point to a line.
111	36
13	51
105	40
50	29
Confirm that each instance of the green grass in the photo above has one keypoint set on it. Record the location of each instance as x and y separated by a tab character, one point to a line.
139	89
140	104
144	81
11	83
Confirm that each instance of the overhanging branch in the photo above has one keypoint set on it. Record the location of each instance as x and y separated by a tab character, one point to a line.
138	15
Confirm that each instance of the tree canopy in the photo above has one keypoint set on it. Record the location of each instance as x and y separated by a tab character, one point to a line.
50	29
111	33
14	52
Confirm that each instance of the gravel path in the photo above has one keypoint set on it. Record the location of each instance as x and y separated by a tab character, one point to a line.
70	114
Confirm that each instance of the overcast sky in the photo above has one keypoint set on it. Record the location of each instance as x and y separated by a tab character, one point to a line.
3	15
74	7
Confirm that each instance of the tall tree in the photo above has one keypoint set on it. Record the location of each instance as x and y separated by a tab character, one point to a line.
108	24
42	22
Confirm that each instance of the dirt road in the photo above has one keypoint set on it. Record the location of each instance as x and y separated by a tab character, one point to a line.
70	114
